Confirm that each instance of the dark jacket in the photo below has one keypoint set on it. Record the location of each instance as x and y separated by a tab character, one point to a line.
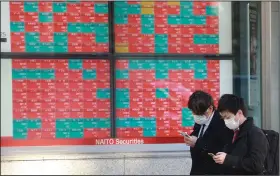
214	140
247	154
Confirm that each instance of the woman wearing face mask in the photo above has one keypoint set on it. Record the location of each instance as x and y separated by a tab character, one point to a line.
210	135
249	148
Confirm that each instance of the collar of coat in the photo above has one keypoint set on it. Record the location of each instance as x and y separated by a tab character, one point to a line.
246	126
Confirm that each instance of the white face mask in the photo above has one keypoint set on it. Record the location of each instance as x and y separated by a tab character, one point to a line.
200	119
231	123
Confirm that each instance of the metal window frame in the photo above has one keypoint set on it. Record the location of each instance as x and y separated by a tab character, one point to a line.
266	64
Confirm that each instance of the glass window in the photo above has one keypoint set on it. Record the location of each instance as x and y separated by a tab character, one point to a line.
155	54
152	95
60	27
61	98
163	27
247	56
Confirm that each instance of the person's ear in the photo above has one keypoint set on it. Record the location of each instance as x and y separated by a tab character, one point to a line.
239	112
211	109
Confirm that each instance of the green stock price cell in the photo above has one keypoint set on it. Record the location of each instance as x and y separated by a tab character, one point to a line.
21	127
82	123
64	128
33	74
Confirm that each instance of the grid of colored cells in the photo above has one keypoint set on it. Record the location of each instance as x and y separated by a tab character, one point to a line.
59	26
152	95
166	27
64	98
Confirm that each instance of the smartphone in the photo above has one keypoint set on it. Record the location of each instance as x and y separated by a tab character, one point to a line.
211	154
185	134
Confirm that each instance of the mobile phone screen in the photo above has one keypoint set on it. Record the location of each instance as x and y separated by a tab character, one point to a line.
185	134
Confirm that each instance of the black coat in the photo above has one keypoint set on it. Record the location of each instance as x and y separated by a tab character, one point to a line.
247	154
214	140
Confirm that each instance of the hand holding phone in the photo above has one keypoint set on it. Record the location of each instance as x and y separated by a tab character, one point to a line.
211	154
185	134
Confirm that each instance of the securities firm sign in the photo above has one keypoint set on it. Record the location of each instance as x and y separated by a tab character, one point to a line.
10	142
118	141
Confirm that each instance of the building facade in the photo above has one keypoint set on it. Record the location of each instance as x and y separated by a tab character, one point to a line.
104	85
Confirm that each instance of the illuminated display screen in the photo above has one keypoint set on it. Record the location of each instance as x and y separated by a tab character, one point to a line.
166	27
59	26
152	95
61	98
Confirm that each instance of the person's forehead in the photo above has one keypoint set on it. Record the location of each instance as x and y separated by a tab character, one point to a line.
197	113
201	112
225	114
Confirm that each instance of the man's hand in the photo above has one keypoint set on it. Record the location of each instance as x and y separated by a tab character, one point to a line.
220	157
190	141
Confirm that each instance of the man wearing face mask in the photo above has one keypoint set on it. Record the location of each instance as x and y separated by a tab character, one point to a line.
246	155
210	135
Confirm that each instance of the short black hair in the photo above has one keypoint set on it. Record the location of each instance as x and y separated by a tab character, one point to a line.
199	102
232	103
